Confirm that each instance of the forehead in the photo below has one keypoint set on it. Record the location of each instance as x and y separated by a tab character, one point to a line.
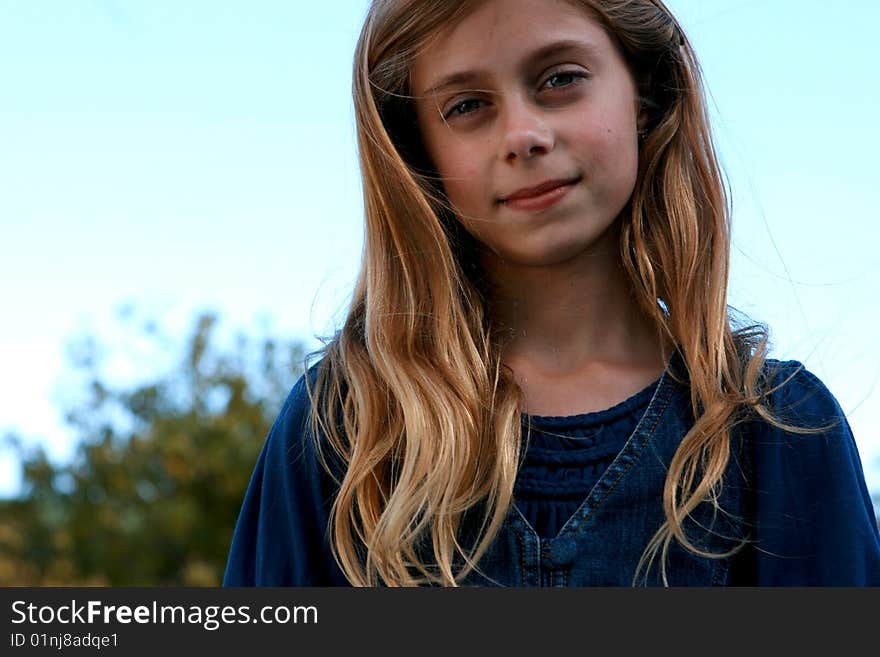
500	33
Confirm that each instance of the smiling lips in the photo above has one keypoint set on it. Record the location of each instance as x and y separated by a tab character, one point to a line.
541	196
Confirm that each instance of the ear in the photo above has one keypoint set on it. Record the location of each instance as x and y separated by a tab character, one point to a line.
642	118
644	115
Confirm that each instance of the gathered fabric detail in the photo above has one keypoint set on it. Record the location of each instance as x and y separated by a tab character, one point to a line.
567	455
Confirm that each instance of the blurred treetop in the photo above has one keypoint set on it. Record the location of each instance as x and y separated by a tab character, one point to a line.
160	468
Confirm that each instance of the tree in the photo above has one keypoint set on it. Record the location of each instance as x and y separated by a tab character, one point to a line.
153	493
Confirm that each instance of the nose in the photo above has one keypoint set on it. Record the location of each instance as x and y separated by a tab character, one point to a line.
526	132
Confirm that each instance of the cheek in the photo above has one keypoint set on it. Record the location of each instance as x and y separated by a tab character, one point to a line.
611	151
455	164
462	180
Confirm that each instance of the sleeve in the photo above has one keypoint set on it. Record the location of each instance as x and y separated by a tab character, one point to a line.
815	523
280	537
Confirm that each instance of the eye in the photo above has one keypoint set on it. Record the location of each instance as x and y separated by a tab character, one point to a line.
563	79
468	106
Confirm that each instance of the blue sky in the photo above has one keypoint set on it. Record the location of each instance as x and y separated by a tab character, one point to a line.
189	155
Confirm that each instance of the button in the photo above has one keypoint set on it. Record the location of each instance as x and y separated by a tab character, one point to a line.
562	552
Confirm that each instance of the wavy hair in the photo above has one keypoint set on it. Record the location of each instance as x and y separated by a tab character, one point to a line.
411	394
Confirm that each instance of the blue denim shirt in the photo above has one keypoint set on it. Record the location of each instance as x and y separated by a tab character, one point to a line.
567	456
800	499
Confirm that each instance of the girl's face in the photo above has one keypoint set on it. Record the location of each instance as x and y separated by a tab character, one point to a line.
530	116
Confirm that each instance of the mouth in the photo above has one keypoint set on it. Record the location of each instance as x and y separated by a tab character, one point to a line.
540	196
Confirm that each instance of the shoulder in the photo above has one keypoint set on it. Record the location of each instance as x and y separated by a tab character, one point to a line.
280	536
814	521
293	439
292	421
287	464
298	403
289	437
811	437
798	396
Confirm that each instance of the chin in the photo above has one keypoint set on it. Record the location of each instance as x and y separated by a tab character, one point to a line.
546	257
561	251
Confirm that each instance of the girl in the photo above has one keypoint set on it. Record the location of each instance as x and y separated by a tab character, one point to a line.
539	382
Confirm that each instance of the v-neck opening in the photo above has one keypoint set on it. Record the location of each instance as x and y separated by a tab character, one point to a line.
614	473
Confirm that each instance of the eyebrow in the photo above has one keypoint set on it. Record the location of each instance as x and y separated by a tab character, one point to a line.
544	52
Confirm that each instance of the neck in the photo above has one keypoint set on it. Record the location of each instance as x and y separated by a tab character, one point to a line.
567	317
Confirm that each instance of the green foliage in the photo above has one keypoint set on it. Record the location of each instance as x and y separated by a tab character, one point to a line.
153	493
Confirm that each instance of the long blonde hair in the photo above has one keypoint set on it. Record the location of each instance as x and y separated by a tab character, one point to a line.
411	393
